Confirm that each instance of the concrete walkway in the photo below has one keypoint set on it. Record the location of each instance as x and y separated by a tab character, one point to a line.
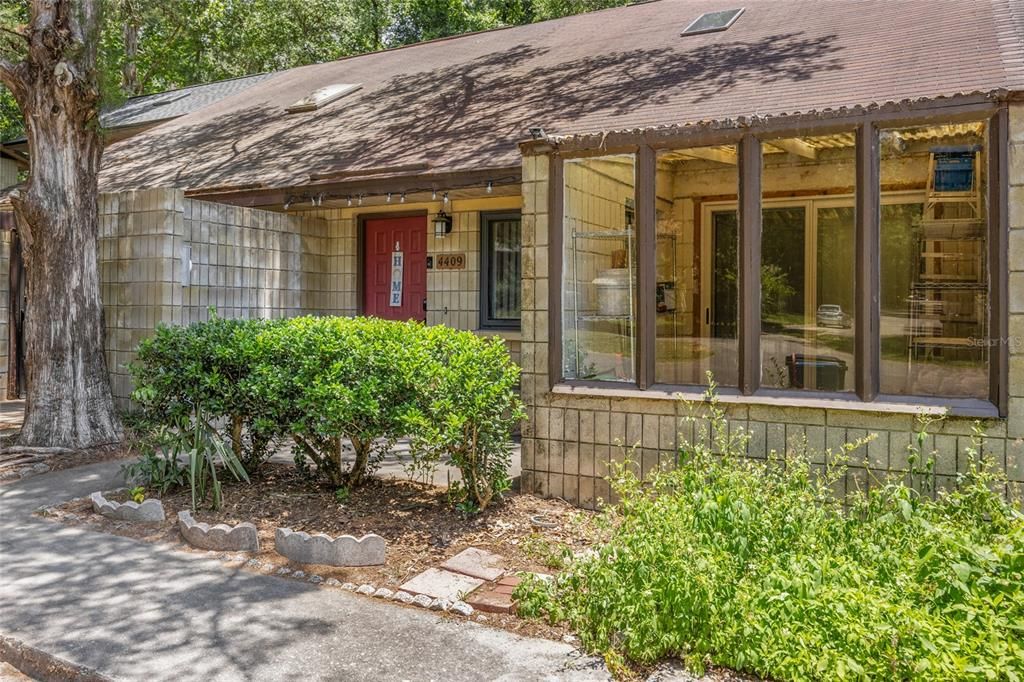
136	611
12	412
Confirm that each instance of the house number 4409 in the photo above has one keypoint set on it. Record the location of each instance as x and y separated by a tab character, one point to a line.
451	261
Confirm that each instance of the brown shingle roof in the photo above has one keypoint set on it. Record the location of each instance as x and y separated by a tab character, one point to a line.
464	102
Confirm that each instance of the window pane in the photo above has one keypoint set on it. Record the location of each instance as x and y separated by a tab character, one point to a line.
504	246
934	291
697	260
807	263
599	269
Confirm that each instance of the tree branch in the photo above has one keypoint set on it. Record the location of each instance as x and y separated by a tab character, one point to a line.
15	33
11	75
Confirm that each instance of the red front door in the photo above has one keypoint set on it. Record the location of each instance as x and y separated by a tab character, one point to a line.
395	272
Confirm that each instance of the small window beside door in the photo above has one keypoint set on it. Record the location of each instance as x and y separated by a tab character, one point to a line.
500	270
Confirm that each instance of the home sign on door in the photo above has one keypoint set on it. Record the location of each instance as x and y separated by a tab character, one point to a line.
397	267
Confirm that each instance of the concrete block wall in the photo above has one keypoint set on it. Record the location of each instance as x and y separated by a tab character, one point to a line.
139	280
245	262
572	435
453	296
336	284
249	263
8	172
1016	259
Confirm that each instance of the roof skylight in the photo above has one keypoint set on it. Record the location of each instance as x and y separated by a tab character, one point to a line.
710	22
321	97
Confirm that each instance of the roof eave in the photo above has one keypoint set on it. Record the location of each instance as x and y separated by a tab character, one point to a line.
377	184
923	109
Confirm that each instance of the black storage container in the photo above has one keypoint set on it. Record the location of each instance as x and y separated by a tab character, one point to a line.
829	371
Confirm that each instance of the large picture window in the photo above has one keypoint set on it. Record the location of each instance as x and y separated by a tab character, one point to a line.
807	262
599	269
500	270
696	267
854	262
934	289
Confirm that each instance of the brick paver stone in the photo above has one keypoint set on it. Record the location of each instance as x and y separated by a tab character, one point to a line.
491	600
440	584
478	563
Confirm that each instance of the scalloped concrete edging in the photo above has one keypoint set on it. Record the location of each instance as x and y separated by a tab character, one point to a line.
344	550
149	511
241	538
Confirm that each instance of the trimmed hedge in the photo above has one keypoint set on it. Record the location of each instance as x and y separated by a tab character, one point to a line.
343	390
209	367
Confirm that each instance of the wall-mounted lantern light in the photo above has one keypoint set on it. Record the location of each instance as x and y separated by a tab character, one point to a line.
442	224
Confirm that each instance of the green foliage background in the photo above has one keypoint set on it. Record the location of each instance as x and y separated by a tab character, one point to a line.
183	42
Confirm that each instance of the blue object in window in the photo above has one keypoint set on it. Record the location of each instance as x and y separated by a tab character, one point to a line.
954	168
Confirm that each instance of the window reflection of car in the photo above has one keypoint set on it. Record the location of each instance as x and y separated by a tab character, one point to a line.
830	315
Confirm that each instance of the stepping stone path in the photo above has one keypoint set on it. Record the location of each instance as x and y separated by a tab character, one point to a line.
497	599
441	584
474	579
478	563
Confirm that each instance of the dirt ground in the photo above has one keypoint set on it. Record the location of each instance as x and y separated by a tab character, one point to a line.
420	526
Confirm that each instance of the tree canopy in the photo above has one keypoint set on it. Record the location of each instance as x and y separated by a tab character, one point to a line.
154	45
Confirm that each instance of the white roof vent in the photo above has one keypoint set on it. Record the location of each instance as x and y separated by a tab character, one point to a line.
321	97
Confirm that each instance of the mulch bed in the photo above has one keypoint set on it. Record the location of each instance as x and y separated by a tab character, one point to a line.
419	524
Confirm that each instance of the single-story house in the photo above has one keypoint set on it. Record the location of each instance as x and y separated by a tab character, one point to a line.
821	204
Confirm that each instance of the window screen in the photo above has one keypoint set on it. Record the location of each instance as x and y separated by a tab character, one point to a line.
501	276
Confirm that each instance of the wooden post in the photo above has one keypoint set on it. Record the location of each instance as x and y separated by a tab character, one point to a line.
15	350
555	256
867	273
750	264
998	266
646	242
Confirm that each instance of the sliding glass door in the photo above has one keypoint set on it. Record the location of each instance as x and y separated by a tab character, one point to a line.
807	290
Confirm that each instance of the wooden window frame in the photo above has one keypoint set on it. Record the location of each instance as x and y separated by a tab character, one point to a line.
486	322
867	217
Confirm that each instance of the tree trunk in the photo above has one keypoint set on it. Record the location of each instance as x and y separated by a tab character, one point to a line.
68	399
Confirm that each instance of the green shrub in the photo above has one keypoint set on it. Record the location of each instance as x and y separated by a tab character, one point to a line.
157	467
209	366
341	379
344	390
753	565
467	408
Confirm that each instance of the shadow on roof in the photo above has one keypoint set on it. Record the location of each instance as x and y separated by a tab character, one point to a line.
467	115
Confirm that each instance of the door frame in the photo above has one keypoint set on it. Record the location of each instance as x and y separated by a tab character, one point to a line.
361	219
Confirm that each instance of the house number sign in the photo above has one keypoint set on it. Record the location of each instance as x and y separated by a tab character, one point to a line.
451	261
397	267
